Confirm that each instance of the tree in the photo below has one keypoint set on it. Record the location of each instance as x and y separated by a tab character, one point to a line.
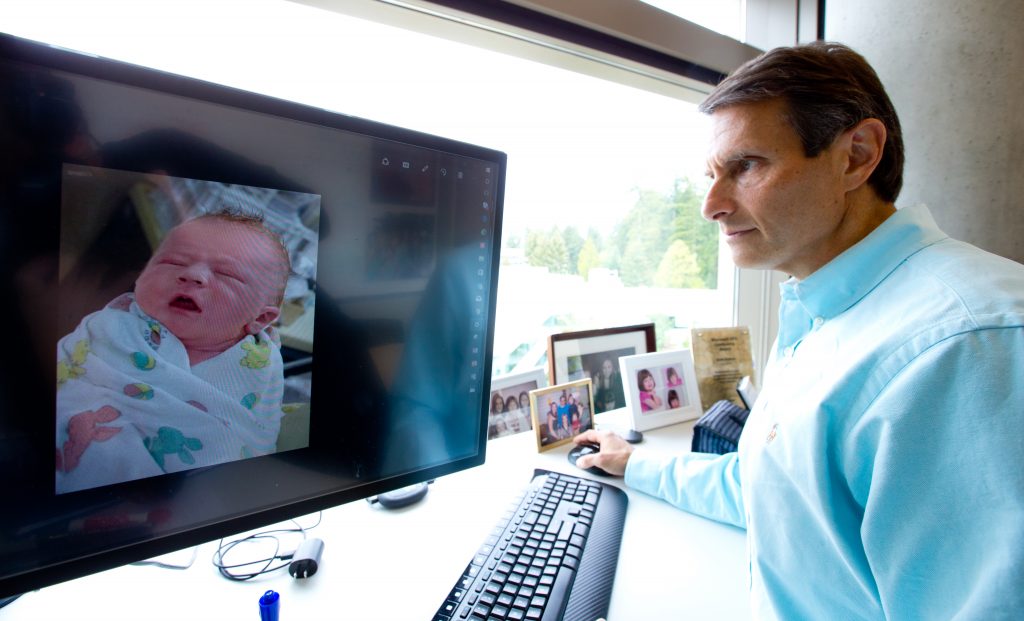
678	268
643	238
573	245
689	226
547	249
589	259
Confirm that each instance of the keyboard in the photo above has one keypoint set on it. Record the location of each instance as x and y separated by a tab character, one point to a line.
552	556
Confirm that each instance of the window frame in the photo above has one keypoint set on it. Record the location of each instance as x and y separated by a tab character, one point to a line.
632	43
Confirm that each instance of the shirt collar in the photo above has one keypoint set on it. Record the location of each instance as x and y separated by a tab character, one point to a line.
843	281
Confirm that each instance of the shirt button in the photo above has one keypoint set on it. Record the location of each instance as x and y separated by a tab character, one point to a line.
818	321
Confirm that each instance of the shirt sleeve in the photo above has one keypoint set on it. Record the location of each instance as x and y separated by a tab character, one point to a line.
700	483
938	465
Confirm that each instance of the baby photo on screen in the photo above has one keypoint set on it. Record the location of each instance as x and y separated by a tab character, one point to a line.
184	369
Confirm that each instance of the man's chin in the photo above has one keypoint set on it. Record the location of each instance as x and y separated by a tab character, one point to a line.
750	262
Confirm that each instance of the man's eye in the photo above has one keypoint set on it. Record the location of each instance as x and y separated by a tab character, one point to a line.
745	165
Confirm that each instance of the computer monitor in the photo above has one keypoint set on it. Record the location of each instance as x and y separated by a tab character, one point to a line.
222	310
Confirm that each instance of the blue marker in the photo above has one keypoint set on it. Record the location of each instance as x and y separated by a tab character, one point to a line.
270	606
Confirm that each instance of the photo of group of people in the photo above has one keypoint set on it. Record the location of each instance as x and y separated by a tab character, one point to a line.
509	414
562	412
509	411
661	388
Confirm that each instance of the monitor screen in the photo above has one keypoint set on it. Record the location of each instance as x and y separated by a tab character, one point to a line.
223	310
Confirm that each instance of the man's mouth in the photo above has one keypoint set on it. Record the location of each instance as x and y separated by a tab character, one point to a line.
734	233
185	303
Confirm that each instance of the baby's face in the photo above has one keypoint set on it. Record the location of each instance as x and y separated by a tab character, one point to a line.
648	383
212	282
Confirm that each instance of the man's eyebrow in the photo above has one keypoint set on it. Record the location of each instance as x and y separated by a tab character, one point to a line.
720	162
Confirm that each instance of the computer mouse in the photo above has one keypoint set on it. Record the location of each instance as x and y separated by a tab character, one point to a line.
633	436
586	449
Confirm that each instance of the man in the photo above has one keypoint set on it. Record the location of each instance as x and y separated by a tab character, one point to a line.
881	471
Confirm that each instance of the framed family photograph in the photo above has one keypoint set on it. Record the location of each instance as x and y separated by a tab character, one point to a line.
661	388
561	412
509	411
595	354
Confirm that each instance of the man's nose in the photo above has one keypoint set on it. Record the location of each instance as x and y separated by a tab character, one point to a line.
718	202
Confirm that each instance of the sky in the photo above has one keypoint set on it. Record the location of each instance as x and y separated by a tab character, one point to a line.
578	147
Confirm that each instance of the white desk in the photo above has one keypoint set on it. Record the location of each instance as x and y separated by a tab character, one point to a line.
399	565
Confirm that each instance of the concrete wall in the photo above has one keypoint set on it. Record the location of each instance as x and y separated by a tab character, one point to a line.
955	71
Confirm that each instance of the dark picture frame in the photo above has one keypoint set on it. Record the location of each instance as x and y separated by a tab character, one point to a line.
591	353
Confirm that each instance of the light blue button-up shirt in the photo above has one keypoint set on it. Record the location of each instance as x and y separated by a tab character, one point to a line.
881	472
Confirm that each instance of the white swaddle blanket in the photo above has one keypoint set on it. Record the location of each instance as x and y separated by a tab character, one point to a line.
129	404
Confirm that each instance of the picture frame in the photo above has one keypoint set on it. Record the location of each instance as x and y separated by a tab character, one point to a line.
554	427
672	381
515	386
595	354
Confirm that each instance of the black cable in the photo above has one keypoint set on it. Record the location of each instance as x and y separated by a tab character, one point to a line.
262	565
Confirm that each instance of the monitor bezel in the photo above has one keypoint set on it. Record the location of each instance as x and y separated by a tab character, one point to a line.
23	51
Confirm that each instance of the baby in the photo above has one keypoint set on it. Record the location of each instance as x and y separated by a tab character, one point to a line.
185	372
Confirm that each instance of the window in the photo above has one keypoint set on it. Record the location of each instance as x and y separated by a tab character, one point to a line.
724	16
606	158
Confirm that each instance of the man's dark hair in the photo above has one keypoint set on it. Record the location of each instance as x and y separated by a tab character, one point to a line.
827	89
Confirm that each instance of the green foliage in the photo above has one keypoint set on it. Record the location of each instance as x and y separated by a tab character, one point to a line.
573	245
663	241
678	268
663	325
589	258
547	249
689	226
646	236
642	237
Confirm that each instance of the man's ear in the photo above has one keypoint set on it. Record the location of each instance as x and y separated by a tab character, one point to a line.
267	316
864	145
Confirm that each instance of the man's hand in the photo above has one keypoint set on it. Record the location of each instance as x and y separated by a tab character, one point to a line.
614	453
